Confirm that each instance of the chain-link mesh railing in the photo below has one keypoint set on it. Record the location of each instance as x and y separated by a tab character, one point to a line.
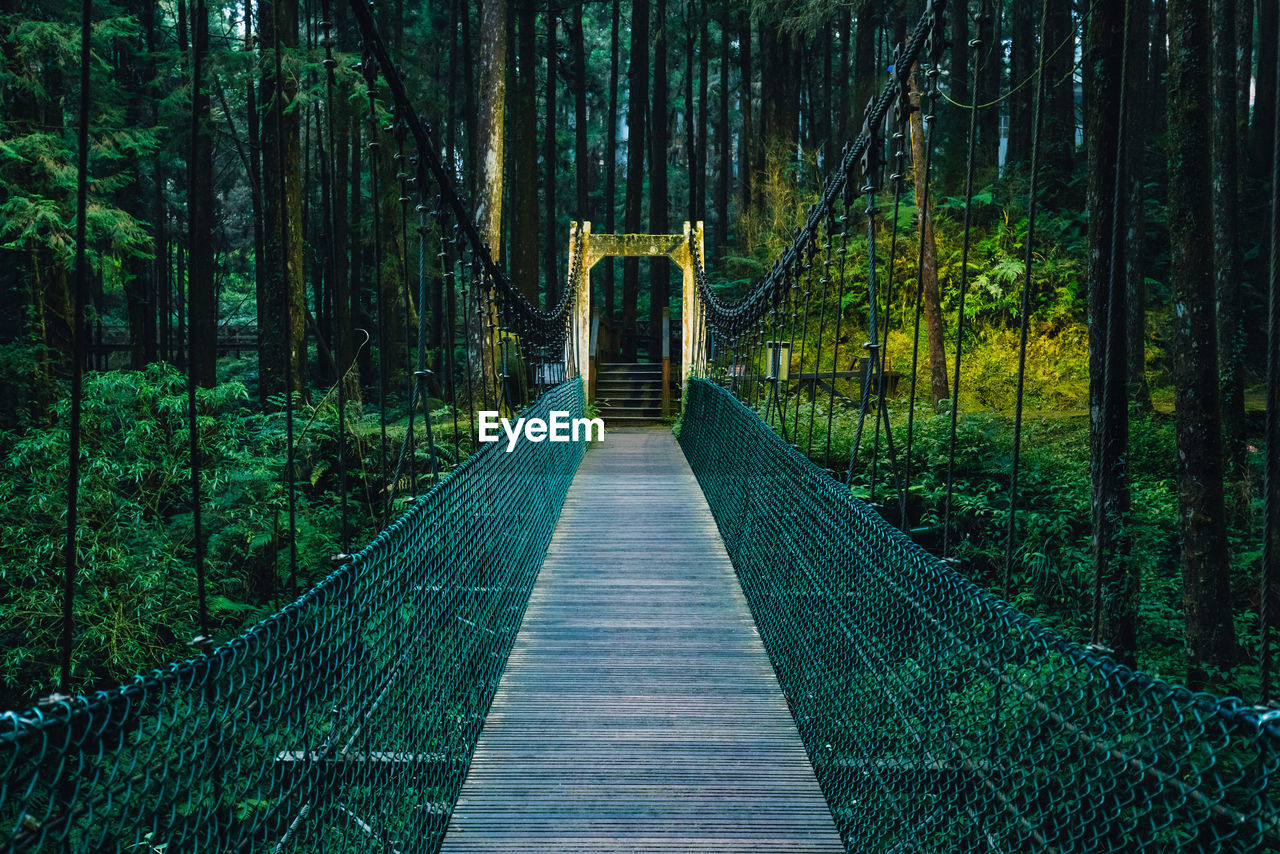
345	722
938	718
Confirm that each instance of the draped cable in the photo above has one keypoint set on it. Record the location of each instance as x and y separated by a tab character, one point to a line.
1024	314
974	44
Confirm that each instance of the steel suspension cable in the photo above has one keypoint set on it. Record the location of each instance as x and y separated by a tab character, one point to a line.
1270	596
1025	312
901	117
201	20
79	298
842	254
289	360
405	179
964	282
928	122
421	372
340	296
1115	326
381	320
871	162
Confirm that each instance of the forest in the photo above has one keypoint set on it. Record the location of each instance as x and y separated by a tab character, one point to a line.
224	323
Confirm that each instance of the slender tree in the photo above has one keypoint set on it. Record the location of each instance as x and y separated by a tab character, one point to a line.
524	139
638	81
202	335
1226	226
746	138
1210	634
929	292
660	144
492	108
611	158
550	159
582	153
1058	136
1137	85
723	137
1022	63
1262	134
1115	577
280	344
703	123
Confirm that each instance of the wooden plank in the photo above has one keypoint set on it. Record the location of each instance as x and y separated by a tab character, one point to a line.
638	711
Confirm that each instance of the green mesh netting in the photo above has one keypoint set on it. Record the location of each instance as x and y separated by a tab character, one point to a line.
938	718
345	722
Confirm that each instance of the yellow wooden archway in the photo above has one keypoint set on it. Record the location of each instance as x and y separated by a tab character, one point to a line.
598	246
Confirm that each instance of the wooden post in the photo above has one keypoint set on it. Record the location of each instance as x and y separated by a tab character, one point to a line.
666	362
691	310
582	302
593	351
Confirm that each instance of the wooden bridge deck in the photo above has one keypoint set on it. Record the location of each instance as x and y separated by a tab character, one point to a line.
638	710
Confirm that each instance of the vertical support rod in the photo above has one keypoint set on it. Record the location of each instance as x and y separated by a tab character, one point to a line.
666	361
78	352
582	299
691	308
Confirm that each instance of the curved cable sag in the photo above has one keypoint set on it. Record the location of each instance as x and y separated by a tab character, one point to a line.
550	324
731	319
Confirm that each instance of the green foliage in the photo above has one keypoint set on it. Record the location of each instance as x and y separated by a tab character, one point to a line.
1051	572
135	591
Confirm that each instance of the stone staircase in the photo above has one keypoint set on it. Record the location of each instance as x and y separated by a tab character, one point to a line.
630	393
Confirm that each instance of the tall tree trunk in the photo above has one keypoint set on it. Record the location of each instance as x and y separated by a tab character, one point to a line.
1226	237
611	158
341	237
989	52
469	107
492	108
550	158
1159	68
1137	85
392	305
581	152
959	81
865	76
524	138
1115	577
280	345
746	139
638	81
1058	135
253	121
704	116
360	303
139	274
842	129
722	137
660	144
930	293
779	91
1244	80
1022	64
690	119
1210	634
1262	135
202	336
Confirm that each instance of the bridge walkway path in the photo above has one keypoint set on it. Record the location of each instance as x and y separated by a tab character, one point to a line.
638	711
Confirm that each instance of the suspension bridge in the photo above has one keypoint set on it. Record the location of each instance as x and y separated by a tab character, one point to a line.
692	642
